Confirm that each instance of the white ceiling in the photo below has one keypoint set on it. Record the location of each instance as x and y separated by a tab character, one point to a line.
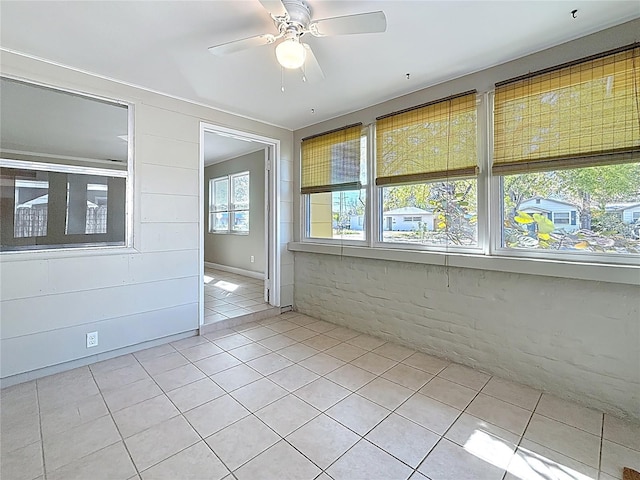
163	46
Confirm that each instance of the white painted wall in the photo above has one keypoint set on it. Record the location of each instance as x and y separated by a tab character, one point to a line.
49	301
577	339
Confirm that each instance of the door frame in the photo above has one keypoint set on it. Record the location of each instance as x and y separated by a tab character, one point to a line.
272	225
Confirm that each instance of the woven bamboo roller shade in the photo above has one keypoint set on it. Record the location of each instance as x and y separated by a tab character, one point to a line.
581	114
331	161
430	142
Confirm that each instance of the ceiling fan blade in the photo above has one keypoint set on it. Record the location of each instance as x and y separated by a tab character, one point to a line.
312	70
372	22
275	7
245	43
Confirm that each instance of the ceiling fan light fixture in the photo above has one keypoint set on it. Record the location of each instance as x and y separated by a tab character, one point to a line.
291	53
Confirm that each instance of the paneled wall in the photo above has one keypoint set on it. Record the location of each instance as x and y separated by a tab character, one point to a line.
50	300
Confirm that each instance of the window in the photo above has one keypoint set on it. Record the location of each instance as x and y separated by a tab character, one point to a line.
333	176
569	136
229	204
562	218
64	169
559	179
447	213
423	156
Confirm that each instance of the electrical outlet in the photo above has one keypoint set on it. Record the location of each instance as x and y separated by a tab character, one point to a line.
253	259
92	339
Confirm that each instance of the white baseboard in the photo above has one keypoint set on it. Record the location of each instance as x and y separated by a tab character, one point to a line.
239	271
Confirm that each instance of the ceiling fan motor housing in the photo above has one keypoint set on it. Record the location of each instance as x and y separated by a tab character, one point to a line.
299	16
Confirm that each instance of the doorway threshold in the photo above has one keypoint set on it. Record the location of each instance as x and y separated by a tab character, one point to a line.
238	321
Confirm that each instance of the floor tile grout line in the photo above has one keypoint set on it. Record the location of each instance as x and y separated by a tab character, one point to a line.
523	432
180	414
451	425
44	464
601	445
113	418
376	376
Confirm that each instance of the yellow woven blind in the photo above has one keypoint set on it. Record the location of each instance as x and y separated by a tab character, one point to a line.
581	114
331	161
429	142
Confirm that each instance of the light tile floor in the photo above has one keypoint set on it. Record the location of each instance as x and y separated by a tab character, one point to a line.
228	295
292	397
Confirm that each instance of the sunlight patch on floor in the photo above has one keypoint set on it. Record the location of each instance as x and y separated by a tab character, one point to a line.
528	465
489	448
228	286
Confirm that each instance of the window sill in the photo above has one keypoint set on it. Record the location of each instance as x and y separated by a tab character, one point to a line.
624	274
47	254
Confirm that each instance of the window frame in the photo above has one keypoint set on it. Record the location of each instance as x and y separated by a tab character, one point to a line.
366	135
489	254
230	210
101	169
482	206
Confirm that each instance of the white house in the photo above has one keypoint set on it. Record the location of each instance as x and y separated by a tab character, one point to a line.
628	212
564	215
407	219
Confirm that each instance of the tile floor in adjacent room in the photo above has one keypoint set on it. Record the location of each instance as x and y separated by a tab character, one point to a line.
229	295
292	397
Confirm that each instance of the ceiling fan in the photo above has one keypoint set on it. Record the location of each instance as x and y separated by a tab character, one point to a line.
293	20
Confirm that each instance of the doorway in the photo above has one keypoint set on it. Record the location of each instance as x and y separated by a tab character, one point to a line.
238	223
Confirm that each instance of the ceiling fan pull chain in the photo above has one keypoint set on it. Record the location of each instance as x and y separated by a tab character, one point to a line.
282	79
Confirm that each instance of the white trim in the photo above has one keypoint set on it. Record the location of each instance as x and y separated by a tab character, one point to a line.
624	274
60	168
202	211
91	359
239	271
267	187
272	226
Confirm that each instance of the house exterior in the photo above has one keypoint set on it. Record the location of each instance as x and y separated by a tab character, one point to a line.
564	215
407	219
627	212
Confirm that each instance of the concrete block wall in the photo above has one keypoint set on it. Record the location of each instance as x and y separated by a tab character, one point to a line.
577	339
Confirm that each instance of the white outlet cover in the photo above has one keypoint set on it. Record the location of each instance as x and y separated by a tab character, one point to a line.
92	339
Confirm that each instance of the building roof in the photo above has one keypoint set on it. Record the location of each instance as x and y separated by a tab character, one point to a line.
619	207
533	208
549	200
407	211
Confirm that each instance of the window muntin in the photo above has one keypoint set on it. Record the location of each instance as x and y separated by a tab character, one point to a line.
438	214
64	161
229	204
